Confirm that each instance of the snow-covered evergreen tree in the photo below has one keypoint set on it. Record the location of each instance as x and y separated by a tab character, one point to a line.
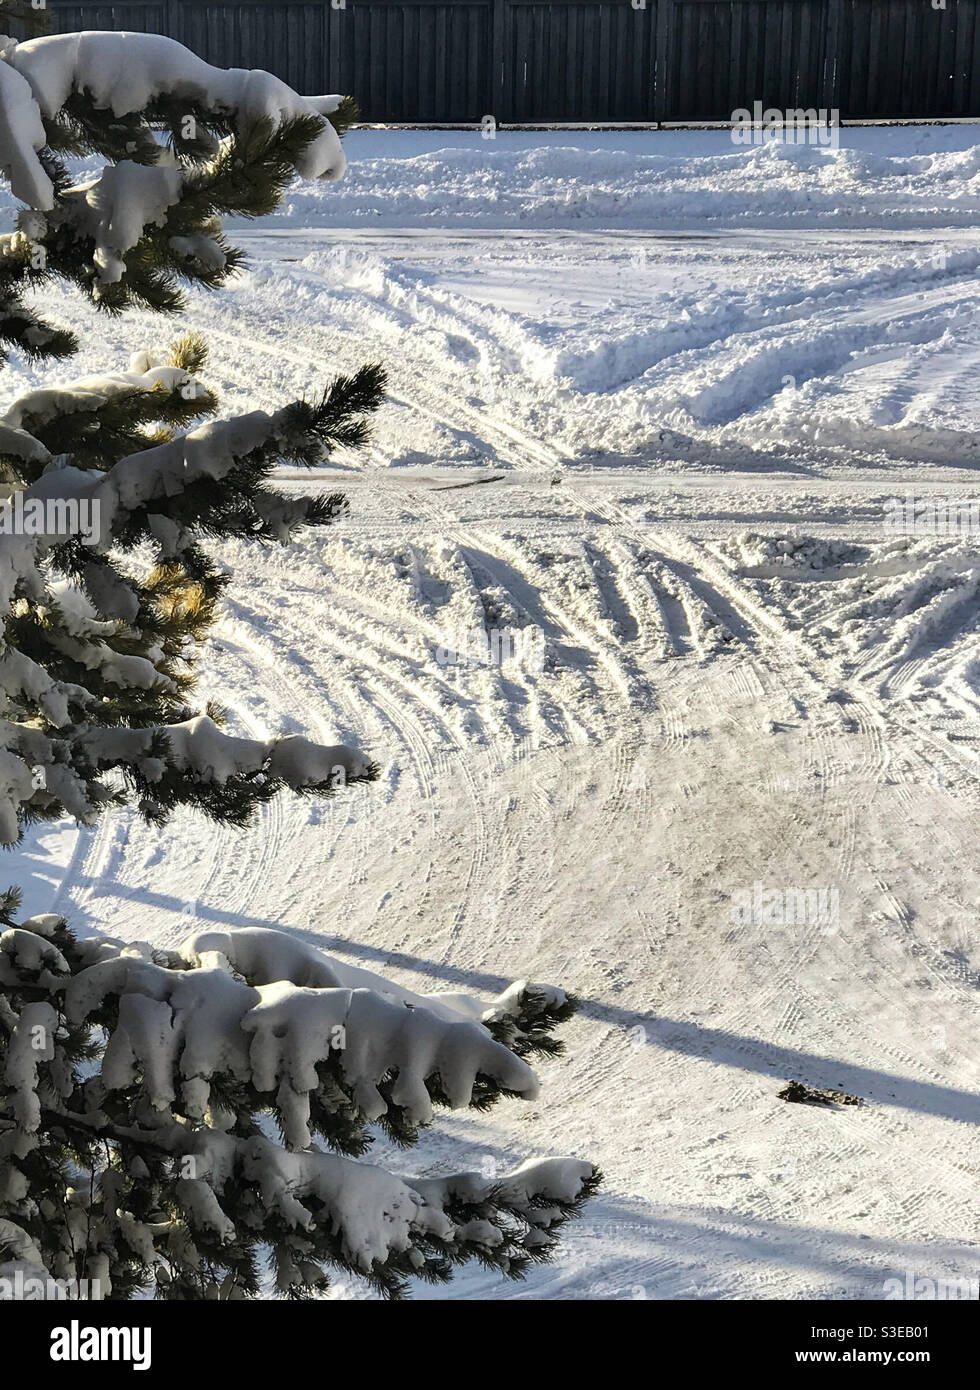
176	1117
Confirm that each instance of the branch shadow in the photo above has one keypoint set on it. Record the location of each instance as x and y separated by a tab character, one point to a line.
620	1249
737	1050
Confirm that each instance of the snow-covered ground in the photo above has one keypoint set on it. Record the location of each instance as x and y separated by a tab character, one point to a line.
651	396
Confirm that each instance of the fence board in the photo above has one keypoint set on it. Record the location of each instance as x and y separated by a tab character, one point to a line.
585	60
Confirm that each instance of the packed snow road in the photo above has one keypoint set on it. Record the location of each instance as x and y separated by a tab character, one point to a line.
728	795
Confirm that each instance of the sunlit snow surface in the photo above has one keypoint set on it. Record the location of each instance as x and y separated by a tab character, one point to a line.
701	374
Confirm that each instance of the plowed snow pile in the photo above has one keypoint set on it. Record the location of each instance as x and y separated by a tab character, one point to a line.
692	419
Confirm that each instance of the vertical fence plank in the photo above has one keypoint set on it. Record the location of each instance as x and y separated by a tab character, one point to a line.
661	58
831	66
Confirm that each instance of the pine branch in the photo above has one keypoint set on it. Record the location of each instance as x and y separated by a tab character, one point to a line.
346	115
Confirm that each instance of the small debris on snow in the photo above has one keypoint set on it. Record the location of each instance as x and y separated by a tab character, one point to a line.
799	1092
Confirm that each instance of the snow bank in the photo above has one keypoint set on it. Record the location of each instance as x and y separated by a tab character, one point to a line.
528	181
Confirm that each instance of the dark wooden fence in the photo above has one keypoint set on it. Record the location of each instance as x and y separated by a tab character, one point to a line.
586	60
